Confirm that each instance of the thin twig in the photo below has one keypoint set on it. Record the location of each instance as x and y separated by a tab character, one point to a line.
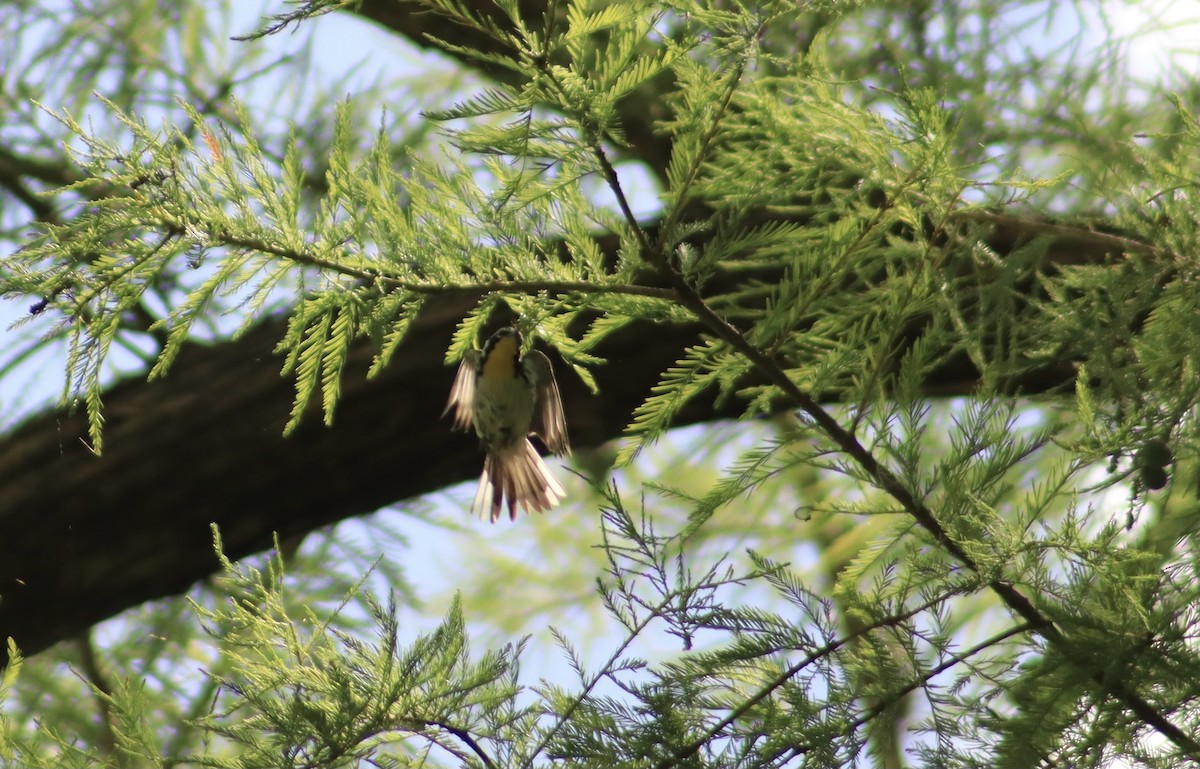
101	690
466	738
633	635
441	289
895	696
1033	227
817	654
684	185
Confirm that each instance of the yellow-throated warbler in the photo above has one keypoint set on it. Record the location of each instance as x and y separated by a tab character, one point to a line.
508	397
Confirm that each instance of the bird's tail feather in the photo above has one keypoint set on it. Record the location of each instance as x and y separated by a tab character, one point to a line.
516	476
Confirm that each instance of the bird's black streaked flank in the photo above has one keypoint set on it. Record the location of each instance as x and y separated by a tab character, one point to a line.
507	398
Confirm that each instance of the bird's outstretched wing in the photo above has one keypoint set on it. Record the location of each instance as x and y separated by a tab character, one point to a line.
548	420
462	393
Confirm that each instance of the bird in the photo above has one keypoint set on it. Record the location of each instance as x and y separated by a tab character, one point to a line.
507	397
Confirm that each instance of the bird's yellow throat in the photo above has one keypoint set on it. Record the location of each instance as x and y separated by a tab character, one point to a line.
502	361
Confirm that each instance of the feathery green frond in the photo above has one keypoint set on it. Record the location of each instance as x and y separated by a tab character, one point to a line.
299	692
693	374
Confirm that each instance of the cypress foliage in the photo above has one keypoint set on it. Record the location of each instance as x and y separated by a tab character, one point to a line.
859	574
